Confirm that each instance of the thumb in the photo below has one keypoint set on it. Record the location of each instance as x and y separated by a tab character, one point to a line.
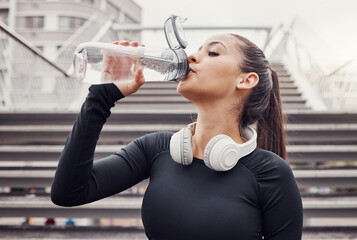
139	80
139	77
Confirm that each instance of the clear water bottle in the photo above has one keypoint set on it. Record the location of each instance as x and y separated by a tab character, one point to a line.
97	63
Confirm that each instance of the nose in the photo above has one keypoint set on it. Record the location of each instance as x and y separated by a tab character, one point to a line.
192	58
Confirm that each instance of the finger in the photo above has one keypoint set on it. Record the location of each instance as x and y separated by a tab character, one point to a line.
134	44
124	43
137	64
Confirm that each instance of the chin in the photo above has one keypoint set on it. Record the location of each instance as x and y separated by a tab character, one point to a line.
190	90
184	88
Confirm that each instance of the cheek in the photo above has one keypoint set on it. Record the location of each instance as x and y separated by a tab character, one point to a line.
212	84
215	80
221	71
221	75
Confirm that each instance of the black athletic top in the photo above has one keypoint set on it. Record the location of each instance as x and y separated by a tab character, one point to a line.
258	197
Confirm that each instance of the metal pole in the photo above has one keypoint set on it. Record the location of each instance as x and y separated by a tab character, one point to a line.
12	14
137	27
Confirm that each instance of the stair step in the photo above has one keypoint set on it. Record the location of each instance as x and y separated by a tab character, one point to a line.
124	133
173	85
290	92
173	92
60	232
286	80
287	86
179	99
131	208
346	178
311	232
321	117
283	74
297	153
311	154
170	116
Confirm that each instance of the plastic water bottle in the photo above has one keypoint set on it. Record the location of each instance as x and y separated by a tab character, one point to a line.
98	63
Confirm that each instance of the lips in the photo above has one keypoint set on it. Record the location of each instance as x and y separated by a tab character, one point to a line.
189	73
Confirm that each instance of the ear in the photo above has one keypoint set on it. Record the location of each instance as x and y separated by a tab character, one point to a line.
247	80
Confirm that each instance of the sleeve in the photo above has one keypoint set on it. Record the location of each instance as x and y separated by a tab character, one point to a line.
79	179
281	201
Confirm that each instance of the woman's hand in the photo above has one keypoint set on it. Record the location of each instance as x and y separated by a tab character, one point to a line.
119	68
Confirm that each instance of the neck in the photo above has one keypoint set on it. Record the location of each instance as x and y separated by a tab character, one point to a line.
211	121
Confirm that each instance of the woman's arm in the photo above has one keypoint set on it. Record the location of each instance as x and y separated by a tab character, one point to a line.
78	180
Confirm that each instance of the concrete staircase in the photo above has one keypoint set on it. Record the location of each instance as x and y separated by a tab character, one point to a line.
322	151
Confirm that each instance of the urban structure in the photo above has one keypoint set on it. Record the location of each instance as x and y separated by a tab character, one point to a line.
49	25
49	32
39	102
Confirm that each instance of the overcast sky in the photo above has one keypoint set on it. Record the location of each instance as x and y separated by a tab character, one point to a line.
334	21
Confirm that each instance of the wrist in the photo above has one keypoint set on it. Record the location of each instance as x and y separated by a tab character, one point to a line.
122	87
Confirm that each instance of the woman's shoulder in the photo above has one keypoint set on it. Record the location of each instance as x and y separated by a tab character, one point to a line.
265	164
160	136
156	141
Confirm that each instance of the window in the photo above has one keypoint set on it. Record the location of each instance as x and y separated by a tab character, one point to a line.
35	22
88	1
4	16
66	22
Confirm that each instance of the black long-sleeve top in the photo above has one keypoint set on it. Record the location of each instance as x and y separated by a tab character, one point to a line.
258	197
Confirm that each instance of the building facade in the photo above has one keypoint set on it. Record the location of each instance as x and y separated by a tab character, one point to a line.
49	24
37	44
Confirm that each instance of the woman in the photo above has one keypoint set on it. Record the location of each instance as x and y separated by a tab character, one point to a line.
233	86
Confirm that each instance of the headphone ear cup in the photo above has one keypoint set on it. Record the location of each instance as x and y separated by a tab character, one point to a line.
208	150
221	153
175	145
181	146
186	147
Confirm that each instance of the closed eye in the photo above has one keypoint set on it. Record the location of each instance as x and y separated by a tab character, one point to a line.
212	54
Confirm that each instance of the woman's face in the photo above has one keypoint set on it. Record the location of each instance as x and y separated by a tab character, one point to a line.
214	70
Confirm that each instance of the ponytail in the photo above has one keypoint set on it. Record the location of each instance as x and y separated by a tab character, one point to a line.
263	106
270	128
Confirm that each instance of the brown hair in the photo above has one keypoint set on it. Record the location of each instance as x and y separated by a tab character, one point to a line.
263	106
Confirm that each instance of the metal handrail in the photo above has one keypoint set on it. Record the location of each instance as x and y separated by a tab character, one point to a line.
331	87
138	27
288	30
342	66
30	76
29	79
30	47
302	45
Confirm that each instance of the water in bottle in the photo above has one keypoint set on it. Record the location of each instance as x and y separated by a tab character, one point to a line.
98	63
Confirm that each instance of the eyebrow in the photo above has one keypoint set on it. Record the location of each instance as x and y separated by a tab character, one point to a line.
213	43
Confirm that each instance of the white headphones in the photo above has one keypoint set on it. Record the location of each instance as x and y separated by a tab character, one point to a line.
221	153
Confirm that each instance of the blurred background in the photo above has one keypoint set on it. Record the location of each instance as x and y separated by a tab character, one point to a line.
311	43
